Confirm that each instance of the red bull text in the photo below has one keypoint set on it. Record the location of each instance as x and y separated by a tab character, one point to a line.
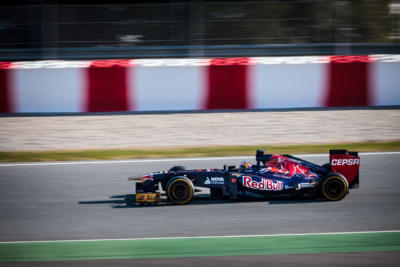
265	184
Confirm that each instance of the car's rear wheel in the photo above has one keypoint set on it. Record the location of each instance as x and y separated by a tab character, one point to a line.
180	190
334	187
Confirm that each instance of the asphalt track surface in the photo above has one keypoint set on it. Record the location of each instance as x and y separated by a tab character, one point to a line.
92	201
372	259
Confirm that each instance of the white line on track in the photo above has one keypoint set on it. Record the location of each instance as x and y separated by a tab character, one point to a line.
168	160
200	237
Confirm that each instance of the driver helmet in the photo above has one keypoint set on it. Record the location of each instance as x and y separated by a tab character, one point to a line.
245	164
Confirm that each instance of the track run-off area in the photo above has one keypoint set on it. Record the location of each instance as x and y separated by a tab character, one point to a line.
74	211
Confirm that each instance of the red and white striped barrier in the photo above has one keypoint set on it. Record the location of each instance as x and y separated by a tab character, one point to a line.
199	84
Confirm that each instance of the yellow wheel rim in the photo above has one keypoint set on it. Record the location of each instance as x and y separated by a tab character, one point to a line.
185	191
332	186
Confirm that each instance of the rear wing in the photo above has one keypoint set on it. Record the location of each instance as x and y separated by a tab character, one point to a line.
346	163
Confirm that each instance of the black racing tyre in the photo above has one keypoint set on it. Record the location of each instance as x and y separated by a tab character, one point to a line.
334	187
180	190
327	166
177	168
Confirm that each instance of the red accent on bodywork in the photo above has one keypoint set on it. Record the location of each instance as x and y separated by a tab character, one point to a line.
148	177
288	167
345	164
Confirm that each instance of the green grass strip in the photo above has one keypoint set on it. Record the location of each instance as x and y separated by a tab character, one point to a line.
199	247
106	154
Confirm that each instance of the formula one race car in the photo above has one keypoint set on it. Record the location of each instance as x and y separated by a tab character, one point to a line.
273	175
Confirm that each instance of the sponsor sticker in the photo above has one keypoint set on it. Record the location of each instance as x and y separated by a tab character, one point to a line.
147	197
265	184
341	162
214	180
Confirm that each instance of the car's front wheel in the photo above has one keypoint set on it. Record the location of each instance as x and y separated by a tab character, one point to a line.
334	187
180	190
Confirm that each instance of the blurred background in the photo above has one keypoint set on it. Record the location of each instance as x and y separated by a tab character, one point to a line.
97	80
46	29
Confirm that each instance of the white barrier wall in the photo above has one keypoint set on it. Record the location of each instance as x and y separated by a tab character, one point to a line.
198	84
386	78
47	90
283	85
166	87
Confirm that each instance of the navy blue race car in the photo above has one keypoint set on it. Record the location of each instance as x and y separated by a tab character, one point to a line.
272	175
